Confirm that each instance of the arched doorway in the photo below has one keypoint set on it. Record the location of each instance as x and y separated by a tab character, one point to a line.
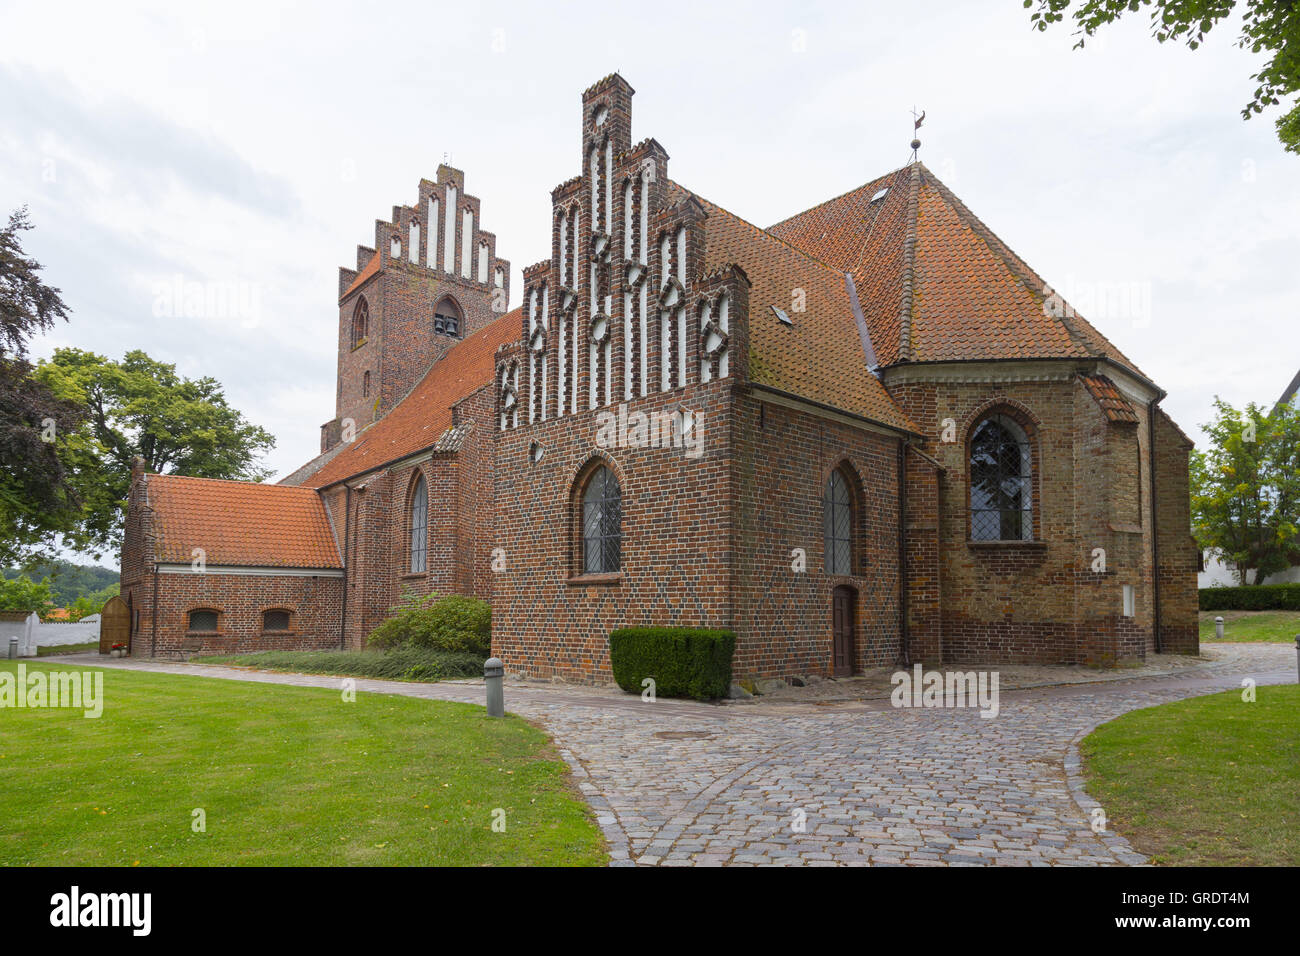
114	625
844	616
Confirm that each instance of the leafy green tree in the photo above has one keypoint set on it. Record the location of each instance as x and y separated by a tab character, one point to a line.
1271	26
1246	488
37	500
140	406
24	594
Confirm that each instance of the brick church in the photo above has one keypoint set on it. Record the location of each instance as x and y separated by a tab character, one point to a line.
868	434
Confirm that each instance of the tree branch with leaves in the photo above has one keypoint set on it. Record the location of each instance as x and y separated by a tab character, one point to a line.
1267	26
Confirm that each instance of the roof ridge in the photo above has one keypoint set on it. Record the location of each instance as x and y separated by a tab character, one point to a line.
906	351
228	481
847	192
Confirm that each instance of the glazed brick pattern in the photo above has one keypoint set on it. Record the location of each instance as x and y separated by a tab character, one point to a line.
783	460
548	620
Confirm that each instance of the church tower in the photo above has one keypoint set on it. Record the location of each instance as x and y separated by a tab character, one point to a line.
432	278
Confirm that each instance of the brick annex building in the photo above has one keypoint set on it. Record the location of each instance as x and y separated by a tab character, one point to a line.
866	434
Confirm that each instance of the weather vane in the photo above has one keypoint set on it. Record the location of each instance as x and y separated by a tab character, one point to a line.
916	125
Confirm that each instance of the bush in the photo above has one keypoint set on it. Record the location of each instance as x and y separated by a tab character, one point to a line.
684	661
1251	597
452	623
403	663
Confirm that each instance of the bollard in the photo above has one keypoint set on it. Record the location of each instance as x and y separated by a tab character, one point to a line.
13	648
1218	628
494	676
1297	658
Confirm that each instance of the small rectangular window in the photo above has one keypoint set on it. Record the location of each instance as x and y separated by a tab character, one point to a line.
1129	601
203	620
275	620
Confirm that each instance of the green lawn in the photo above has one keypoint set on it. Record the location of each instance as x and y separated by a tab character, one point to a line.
285	775
1206	781
1282	626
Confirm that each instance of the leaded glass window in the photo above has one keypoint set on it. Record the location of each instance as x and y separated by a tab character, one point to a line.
837	526
1000	500
419	525
602	523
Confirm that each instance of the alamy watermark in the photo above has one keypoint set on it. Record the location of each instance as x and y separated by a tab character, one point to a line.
922	688
656	429
74	690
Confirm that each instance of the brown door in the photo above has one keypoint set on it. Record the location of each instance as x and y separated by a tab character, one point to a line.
114	625
843	617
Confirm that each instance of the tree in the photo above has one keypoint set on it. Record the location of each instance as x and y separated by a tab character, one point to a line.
1246	489
1271	26
140	406
36	497
24	594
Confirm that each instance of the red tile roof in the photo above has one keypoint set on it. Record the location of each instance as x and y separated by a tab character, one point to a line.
819	356
1106	395
240	523
936	283
420	419
372	268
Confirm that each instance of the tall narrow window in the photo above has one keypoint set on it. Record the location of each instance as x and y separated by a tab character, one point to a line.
1000	500
837	524
446	318
360	322
602	523
365	385
419	525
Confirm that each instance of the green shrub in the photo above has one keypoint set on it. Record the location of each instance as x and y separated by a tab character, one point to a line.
402	663
684	661
451	623
1251	597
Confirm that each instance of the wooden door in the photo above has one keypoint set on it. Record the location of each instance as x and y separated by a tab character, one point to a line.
114	625
844	615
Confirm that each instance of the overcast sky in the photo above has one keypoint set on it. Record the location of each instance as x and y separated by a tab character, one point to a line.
251	147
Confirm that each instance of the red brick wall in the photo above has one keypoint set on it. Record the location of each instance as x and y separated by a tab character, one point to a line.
783	459
314	604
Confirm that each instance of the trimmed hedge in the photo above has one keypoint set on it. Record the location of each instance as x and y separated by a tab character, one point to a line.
684	661
1251	597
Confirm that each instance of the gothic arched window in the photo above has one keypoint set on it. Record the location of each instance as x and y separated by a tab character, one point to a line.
837	523
1000	481
419	525
446	318
360	322
602	523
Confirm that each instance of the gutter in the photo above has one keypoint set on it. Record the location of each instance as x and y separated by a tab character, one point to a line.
813	403
904	630
153	641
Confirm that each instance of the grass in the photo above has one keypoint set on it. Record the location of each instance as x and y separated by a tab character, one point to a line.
405	663
285	776
56	650
1275	626
1208	781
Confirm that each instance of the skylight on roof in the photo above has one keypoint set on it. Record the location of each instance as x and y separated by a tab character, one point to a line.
880	195
780	314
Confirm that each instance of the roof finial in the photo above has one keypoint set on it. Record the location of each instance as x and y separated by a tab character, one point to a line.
916	125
